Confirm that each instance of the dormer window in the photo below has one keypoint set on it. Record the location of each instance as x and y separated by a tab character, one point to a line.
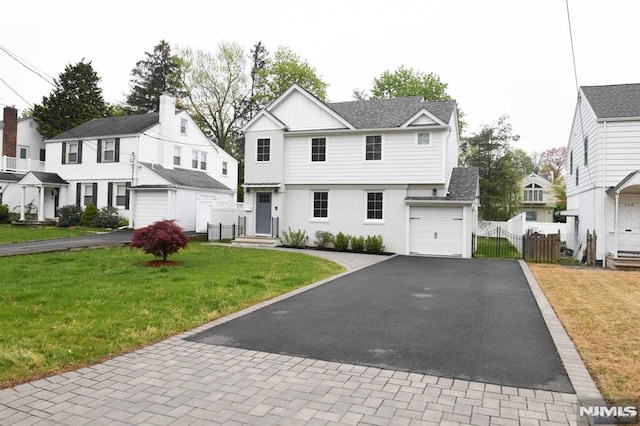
532	192
183	126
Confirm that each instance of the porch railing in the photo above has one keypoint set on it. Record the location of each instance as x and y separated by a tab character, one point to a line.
13	164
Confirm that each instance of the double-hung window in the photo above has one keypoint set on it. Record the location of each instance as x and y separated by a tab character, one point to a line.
176	155
121	195
318	149
374	205
320	205
225	167
24	151
73	152
89	193
183	126
203	160
194	159
108	150
264	150
373	148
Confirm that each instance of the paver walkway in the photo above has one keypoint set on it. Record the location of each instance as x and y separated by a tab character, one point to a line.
181	382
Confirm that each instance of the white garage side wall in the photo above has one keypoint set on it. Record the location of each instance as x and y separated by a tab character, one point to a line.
589	206
185	208
347	212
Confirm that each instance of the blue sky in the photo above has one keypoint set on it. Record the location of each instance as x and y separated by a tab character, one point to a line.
497	56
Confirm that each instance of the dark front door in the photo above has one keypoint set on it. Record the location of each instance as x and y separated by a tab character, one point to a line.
263	213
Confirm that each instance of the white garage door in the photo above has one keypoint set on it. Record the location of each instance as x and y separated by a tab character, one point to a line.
436	231
151	207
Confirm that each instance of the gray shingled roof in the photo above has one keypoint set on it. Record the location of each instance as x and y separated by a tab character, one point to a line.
50	178
463	183
622	183
185	177
10	176
614	101
389	113
112	126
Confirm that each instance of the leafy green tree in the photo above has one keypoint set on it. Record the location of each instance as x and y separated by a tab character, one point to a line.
285	69
75	99
405	82
523	162
490	151
217	87
409	82
158	73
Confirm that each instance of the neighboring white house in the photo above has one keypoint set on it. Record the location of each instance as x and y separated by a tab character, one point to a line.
538	198
22	149
377	167
150	167
603	182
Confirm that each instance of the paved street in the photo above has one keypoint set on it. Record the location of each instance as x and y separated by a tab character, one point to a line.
73	243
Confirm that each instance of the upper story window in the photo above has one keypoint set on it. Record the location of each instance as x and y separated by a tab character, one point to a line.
571	162
194	159
318	149
225	168
23	151
374	205
72	152
183	126
577	177
532	192
424	138
586	150
177	155
373	148
107	150
203	160
264	150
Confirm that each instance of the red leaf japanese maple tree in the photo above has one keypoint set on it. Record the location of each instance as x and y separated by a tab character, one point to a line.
160	239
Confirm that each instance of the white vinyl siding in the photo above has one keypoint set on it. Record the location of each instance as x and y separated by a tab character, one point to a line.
404	161
622	149
585	125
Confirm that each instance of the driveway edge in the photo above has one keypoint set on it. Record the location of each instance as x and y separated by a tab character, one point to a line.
582	382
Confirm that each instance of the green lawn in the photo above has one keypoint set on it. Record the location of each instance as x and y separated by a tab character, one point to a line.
496	248
18	234
62	311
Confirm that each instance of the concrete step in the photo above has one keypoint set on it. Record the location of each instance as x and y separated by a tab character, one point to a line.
625	263
256	242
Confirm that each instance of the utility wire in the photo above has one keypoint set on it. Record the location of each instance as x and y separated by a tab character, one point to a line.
13	90
28	66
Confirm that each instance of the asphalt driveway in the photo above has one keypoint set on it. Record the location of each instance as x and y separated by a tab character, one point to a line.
471	319
106	239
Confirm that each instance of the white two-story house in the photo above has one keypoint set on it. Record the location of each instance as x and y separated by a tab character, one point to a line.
538	198
376	167
150	167
603	182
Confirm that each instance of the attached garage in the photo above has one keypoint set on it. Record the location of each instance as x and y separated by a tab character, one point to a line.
436	231
151	206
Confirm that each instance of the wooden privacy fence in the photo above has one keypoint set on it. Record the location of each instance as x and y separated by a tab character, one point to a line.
589	257
541	248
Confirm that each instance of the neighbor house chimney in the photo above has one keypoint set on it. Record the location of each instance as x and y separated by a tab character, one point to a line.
10	132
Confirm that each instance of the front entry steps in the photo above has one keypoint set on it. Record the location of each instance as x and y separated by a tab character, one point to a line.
624	261
247	241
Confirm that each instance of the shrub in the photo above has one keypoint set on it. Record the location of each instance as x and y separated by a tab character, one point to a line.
160	239
70	215
4	214
107	217
357	244
294	238
90	213
324	239
341	241
123	222
373	244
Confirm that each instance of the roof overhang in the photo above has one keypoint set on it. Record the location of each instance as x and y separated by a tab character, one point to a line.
632	179
610	119
365	131
435	202
154	188
261	185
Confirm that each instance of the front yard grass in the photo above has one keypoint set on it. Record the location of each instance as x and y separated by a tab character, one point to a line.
19	234
62	311
600	309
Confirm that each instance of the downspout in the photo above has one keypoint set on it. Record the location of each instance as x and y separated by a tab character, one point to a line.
604	196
